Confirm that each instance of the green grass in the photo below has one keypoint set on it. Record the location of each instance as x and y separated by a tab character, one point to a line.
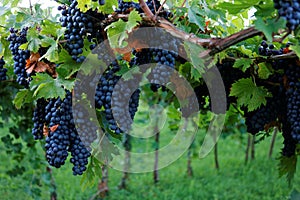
235	180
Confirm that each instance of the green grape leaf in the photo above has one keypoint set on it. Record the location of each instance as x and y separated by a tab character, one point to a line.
84	5
118	31
67	66
24	46
195	74
50	28
5	51
45	86
107	8
248	94
22	97
193	51
269	26
34	41
264	70
52	52
245	51
243	63
287	167
194	15
215	14
238	6
296	49
265	9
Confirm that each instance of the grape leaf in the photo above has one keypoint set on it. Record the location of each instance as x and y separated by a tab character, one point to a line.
264	70
248	94
265	9
67	66
245	63
45	86
84	5
107	8
269	26
195	17
118	31
193	52
296	49
22	97
50	28
52	52
34	41
238	6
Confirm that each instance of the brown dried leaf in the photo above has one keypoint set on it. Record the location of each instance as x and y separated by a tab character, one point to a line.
28	64
53	128
30	69
41	67
127	56
45	131
34	57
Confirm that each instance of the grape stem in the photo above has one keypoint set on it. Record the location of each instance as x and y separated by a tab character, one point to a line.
213	45
146	10
159	9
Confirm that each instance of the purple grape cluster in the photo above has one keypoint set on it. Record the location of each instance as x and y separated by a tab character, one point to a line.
289	10
16	39
3	70
80	26
62	136
116	107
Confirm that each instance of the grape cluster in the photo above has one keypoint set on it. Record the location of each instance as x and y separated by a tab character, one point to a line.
76	23
259	120
84	125
124	7
289	144
289	10
16	39
39	115
163	55
293	100
269	50
104	97
165	63
3	70
62	136
125	94
274	110
79	26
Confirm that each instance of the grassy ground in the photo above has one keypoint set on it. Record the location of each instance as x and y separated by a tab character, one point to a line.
235	180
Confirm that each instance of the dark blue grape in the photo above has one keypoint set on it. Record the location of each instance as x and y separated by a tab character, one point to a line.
16	39
3	70
289	10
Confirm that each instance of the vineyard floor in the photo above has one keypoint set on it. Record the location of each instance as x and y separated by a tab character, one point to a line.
235	180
